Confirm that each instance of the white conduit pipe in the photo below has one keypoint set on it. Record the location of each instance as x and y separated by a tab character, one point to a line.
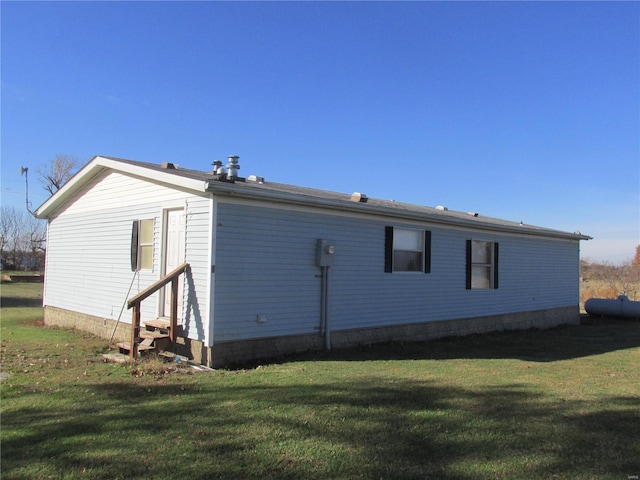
327	329
324	307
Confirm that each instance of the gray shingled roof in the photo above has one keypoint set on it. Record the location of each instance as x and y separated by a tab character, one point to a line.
294	194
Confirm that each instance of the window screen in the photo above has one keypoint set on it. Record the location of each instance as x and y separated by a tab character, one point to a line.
482	264
142	245
407	250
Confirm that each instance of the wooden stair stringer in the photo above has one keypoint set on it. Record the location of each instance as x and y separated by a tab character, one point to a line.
155	336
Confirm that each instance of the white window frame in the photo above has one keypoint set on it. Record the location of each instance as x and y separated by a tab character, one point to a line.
481	274
399	242
145	262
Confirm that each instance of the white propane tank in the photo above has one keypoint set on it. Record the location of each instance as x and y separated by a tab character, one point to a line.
622	307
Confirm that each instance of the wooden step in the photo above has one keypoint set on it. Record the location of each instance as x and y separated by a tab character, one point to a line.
160	339
126	346
115	357
158	323
154	334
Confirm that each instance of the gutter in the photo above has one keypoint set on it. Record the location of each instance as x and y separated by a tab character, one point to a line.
216	187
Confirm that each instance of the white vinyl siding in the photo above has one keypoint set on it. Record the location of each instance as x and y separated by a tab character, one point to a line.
266	265
88	263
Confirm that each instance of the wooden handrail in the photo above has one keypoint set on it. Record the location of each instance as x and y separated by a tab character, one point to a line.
154	287
134	302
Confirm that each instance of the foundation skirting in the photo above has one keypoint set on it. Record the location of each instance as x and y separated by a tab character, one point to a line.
227	353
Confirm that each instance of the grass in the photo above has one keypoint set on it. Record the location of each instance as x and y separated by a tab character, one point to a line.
562	403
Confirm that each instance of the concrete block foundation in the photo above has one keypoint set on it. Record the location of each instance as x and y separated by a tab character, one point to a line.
229	353
226	353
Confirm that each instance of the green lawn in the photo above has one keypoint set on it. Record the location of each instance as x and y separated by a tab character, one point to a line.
562	404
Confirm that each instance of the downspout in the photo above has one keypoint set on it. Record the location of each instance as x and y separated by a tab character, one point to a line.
327	325
324	307
325	250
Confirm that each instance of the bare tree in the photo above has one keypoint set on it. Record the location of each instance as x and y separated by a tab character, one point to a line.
34	234
621	279
636	259
22	239
57	172
9	225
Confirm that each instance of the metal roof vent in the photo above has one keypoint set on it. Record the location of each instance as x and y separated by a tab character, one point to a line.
359	197
255	179
169	165
440	207
218	169
233	167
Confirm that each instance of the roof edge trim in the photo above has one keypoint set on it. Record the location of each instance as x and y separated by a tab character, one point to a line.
97	165
289	198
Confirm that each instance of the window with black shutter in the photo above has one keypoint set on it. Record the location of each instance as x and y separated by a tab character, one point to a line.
142	245
482	265
407	250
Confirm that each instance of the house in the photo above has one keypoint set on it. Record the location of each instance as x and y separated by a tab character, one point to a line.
276	269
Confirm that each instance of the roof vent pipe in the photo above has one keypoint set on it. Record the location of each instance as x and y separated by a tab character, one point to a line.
233	167
217	167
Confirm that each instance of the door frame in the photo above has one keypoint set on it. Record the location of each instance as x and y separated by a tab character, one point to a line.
163	263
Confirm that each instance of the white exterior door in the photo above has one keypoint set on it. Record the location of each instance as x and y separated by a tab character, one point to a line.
174	256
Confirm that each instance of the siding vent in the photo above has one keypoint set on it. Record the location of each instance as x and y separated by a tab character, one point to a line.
359	197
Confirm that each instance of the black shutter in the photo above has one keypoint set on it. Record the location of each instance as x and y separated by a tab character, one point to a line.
495	265
427	251
468	264
388	249
134	246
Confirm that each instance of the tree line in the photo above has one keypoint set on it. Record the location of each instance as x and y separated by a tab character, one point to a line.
606	280
22	236
22	240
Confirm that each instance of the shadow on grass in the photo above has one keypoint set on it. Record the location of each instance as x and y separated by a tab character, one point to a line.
9	301
560	343
374	428
21	295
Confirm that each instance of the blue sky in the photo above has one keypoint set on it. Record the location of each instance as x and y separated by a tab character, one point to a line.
523	111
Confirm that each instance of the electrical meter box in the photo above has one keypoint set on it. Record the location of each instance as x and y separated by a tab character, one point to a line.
325	253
